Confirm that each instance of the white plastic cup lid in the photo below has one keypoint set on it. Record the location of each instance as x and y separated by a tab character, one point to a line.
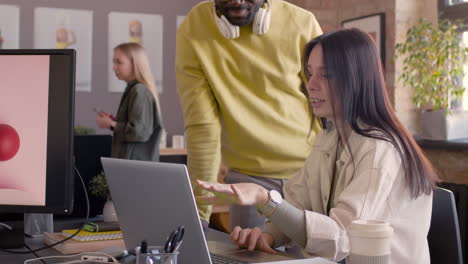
370	228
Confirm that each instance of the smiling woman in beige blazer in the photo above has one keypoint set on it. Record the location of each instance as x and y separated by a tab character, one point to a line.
364	164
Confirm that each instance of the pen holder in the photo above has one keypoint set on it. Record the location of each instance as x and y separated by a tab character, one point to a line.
156	255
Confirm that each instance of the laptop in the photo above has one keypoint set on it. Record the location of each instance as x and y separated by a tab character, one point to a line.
152	199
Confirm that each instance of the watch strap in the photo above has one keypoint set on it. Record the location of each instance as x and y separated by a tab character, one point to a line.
270	207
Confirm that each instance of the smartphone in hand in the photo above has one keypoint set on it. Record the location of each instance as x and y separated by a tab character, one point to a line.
100	111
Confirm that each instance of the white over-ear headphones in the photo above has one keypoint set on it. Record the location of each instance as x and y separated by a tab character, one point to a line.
260	25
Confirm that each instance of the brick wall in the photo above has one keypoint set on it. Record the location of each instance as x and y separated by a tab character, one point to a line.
451	165
330	14
408	13
399	16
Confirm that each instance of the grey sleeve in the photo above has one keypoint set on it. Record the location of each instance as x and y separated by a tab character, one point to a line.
139	126
290	221
279	239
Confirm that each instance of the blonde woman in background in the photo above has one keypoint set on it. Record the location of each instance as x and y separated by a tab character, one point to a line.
137	126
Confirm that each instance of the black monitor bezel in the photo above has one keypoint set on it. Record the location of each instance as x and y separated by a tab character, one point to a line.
59	200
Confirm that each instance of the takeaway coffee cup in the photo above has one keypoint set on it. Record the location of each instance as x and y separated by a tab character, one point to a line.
178	141
369	241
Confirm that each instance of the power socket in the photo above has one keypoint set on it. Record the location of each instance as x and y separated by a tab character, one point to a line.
99	259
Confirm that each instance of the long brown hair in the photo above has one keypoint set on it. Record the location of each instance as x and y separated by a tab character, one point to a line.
357	86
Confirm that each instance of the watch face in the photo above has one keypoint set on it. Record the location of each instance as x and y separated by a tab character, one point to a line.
275	197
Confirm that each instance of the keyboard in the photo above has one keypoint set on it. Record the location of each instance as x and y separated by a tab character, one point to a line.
218	259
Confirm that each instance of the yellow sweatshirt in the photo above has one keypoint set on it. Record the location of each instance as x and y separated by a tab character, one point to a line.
242	98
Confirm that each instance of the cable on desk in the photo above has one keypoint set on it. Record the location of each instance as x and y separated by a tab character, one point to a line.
34	253
68	238
75	255
6	226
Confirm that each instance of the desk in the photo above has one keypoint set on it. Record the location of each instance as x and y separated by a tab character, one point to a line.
211	235
33	243
172	155
172	151
220	218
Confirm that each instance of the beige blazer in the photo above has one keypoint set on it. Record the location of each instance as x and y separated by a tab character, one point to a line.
372	188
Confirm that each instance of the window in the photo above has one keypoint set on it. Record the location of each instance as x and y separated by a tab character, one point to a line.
456	2
454	9
465	78
458	10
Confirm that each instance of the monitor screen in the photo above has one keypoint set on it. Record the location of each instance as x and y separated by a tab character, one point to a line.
36	130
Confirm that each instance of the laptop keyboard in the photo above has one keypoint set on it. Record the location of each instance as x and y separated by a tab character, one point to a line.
218	259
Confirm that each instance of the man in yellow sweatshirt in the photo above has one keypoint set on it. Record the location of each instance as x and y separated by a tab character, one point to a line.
240	78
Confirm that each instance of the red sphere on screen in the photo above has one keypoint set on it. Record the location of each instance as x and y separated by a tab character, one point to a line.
9	142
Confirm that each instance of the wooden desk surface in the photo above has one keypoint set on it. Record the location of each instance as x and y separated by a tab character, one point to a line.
34	243
172	151
214	238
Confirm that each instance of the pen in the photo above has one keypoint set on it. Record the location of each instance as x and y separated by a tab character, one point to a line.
177	246
122	255
174	240
178	239
144	247
144	250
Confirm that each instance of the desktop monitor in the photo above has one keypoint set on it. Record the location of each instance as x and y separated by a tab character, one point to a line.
36	131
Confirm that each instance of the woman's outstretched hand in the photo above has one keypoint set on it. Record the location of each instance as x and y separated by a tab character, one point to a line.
252	239
239	193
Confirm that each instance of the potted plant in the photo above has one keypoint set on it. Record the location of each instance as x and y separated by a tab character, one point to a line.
98	187
83	131
433	63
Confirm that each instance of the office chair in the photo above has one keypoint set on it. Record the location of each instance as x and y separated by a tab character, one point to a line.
444	233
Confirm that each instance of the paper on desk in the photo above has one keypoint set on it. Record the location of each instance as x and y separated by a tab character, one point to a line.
303	261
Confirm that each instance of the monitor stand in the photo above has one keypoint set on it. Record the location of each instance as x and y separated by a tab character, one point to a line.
12	238
36	224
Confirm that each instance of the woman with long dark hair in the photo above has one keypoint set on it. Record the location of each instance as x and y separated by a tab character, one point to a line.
364	164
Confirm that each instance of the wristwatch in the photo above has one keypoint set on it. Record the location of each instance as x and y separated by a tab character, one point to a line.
274	201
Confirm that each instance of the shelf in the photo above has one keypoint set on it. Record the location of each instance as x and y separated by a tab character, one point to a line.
459	144
172	151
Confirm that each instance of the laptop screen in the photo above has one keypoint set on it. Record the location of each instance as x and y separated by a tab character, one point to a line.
151	200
